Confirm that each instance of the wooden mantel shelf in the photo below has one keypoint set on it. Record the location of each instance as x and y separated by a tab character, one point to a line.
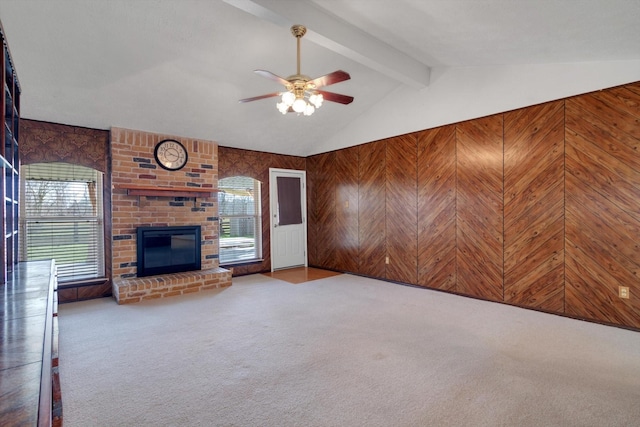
136	190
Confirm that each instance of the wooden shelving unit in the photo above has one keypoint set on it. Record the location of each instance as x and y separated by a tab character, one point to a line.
9	163
30	386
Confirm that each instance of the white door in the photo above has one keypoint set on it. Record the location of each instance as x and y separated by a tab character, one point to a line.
287	191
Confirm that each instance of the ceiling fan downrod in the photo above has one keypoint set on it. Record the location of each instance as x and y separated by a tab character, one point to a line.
298	31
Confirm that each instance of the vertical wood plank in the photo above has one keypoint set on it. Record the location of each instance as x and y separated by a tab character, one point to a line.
401	209
325	203
534	206
479	207
371	209
437	208
346	242
312	166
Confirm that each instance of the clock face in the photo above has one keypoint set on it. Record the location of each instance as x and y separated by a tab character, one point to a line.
170	154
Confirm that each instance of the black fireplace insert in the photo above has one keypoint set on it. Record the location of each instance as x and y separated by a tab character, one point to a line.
165	250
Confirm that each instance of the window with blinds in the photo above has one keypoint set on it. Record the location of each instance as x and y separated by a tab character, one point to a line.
62	219
240	220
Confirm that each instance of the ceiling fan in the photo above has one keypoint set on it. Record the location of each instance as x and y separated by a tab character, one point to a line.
302	94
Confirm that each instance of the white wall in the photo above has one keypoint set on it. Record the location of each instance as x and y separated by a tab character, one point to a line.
458	94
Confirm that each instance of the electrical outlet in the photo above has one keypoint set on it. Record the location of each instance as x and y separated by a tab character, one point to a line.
623	292
346	204
386	260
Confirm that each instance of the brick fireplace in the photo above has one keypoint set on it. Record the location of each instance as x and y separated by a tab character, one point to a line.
146	195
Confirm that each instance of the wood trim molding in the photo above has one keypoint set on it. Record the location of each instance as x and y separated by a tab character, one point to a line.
135	190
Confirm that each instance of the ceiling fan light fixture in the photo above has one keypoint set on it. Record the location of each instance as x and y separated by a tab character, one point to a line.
288	98
309	109
316	99
282	107
301	102
301	93
299	105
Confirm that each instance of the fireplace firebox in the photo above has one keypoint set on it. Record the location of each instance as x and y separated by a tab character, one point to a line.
165	250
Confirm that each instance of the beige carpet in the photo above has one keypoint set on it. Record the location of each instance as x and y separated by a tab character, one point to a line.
340	351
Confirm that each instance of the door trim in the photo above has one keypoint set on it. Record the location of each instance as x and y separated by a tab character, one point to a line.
272	208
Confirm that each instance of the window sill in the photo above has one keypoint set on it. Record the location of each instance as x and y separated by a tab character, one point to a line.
241	263
81	283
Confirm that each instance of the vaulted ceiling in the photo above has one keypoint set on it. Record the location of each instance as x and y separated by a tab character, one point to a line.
179	67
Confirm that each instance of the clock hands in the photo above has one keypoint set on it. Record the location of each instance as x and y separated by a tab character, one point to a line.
171	154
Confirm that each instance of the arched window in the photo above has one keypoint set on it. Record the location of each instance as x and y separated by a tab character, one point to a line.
62	219
240	220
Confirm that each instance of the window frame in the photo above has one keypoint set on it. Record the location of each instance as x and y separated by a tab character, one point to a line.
256	217
96	239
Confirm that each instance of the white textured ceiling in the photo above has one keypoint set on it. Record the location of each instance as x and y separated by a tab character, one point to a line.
180	66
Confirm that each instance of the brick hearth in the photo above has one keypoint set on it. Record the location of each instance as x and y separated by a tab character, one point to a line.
135	290
133	165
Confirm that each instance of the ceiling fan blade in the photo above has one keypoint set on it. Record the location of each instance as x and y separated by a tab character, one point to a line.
336	97
256	98
269	75
331	78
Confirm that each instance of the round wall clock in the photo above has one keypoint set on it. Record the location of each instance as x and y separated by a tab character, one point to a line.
170	154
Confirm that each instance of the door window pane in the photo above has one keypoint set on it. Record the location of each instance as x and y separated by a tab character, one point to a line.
289	200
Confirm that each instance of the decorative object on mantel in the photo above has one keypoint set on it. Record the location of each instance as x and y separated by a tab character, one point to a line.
302	95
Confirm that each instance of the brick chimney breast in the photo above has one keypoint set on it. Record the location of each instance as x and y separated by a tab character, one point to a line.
134	166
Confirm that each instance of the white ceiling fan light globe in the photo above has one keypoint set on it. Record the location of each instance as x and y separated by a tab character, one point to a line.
288	98
282	107
299	105
309	109
316	99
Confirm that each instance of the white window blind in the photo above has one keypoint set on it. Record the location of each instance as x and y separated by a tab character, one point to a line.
63	219
240	220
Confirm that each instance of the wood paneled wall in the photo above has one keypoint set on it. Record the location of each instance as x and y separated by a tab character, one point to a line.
479	207
437	207
346	232
537	207
326	235
602	181
401	213
534	207
372	209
